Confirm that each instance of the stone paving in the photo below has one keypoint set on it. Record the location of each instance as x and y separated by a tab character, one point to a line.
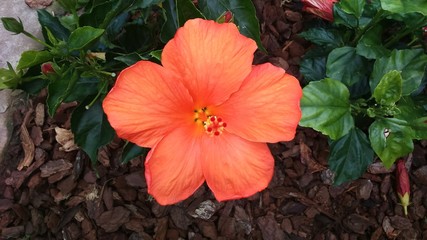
11	47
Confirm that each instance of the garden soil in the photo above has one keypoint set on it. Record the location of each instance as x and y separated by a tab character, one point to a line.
49	190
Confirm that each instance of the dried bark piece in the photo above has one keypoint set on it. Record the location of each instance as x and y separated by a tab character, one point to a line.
421	174
205	210
112	220
243	221
53	167
179	218
36	135
12	232
136	179
208	229
66	138
161	229
401	223
364	189
39	114
389	229
27	142
270	229
5	204
357	223
307	159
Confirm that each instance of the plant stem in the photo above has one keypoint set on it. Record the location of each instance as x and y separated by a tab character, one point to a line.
103	86
378	17
36	39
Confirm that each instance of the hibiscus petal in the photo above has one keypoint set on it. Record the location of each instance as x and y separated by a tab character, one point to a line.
146	103
266	108
173	168
213	59
234	167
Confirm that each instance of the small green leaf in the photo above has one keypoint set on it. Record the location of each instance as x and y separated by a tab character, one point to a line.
326	108
171	24
399	6
8	78
353	7
410	62
130	59
91	128
12	25
391	138
32	58
131	151
343	18
46	20
83	37
389	90
58	89
345	65
329	38
350	156
157	54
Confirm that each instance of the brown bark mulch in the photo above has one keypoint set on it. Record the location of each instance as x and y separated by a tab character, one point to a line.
49	190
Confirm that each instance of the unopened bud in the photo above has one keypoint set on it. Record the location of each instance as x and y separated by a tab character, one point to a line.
47	68
226	17
12	25
403	185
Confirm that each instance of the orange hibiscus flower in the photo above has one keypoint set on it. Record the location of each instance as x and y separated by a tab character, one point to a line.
321	8
206	113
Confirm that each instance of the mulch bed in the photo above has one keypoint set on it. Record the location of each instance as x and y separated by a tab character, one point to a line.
49	190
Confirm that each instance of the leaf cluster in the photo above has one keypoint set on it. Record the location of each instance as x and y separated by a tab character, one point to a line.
366	79
93	41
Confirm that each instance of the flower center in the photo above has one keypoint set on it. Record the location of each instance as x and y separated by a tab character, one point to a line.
213	125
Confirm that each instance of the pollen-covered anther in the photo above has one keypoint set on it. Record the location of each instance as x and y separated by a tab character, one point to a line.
214	126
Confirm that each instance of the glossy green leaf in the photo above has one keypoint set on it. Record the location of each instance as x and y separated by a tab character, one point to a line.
345	65
326	108
32	58
410	62
353	7
391	138
12	25
343	18
130	59
350	156
323	37
46	20
399	6
171	24
131	151
414	113
84	87
84	36
389	90
370	44
243	12
186	10
96	16
313	64
91	128
58	89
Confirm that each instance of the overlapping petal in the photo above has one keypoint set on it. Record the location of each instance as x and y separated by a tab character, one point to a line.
173	168
321	8
146	103
266	108
234	167
212	59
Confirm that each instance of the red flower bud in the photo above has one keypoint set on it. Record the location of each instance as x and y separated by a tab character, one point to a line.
321	8
403	185
228	16
47	68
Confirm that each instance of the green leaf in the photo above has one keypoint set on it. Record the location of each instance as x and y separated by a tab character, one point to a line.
32	58
353	7
131	151
410	62
343	18
370	44
171	24
8	78
130	59
58	89
414	113
157	54
313	64
399	6
329	38
350	156
326	108
345	65
83	88
12	25
91	128
83	37
389	90
243	12
186	10
391	138
46	20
